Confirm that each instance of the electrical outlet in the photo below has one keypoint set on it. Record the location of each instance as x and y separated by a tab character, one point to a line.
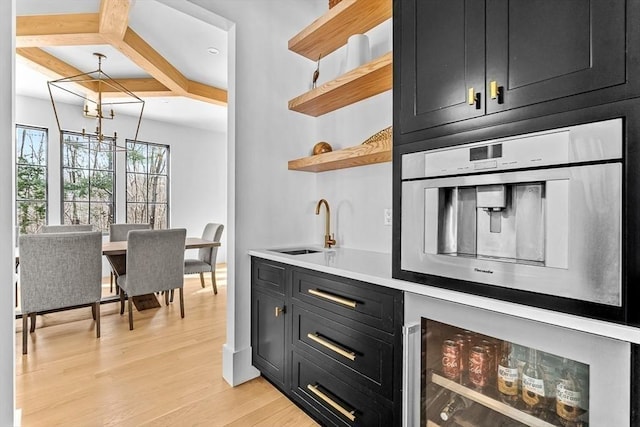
388	217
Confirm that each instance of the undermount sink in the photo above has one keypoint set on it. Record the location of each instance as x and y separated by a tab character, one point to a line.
297	251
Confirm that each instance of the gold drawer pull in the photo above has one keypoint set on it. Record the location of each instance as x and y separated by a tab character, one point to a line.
349	414
331	346
339	300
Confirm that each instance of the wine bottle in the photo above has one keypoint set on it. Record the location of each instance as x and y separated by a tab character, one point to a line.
455	404
508	377
533	385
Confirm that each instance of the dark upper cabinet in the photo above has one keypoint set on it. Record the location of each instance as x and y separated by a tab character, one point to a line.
539	50
460	59
443	49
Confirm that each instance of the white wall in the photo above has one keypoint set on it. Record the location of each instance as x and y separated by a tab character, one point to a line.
273	206
7	293
198	165
358	196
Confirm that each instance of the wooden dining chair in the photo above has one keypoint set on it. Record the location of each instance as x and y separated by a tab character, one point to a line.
118	233
155	263
206	261
59	270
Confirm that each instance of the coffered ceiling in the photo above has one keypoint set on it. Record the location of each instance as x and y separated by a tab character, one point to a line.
154	50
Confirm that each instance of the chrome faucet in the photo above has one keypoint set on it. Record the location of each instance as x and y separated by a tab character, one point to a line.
328	237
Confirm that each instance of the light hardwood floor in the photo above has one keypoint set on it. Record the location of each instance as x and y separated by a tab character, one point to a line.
166	372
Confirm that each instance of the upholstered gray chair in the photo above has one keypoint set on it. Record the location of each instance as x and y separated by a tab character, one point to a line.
118	233
59	270
155	263
206	260
65	228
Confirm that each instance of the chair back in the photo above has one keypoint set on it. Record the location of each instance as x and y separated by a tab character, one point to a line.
155	260
118	232
60	270
212	231
65	228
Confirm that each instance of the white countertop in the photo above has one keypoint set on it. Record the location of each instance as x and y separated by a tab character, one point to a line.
375	267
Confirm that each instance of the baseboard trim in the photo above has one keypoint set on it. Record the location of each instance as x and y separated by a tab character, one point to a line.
236	366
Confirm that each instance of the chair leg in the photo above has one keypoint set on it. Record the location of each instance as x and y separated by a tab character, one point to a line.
25	326
202	279
166	297
129	304
93	311
111	281
97	318
171	296
213	282
33	322
121	302
181	303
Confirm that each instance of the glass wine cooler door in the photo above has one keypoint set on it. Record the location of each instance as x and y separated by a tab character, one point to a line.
480	380
468	367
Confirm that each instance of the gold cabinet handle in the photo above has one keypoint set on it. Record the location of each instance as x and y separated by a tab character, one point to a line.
493	88
280	310
329	401
331	346
471	98
333	298
496	92
474	98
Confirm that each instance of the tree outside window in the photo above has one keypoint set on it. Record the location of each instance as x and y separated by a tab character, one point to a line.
88	181
148	184
31	178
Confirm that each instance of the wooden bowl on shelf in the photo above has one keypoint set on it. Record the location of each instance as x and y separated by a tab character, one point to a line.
321	147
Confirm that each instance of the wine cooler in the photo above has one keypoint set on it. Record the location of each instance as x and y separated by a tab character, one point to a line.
471	367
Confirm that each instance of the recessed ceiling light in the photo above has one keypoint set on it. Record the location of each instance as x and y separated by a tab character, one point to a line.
213	50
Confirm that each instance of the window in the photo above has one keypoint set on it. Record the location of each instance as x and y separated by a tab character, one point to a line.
88	181
148	184
31	178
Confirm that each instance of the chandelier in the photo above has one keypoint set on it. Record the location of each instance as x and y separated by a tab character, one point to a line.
101	98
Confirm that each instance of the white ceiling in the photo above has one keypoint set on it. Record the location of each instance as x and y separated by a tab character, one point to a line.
180	38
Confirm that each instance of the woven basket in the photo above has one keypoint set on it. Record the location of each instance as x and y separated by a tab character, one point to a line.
333	3
379	136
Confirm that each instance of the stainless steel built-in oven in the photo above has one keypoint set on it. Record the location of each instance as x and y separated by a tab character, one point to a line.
466	366
540	213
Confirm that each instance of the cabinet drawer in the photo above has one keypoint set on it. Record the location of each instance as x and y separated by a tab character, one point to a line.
268	275
370	304
345	351
332	400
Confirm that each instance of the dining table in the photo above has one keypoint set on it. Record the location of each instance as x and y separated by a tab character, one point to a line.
116	254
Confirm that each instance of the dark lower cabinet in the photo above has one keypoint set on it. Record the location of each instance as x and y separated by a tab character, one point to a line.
269	345
339	353
332	400
269	326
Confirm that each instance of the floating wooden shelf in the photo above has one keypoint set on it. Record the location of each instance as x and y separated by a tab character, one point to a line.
363	82
332	29
360	155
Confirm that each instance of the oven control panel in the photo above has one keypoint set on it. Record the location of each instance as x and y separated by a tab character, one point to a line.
582	143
